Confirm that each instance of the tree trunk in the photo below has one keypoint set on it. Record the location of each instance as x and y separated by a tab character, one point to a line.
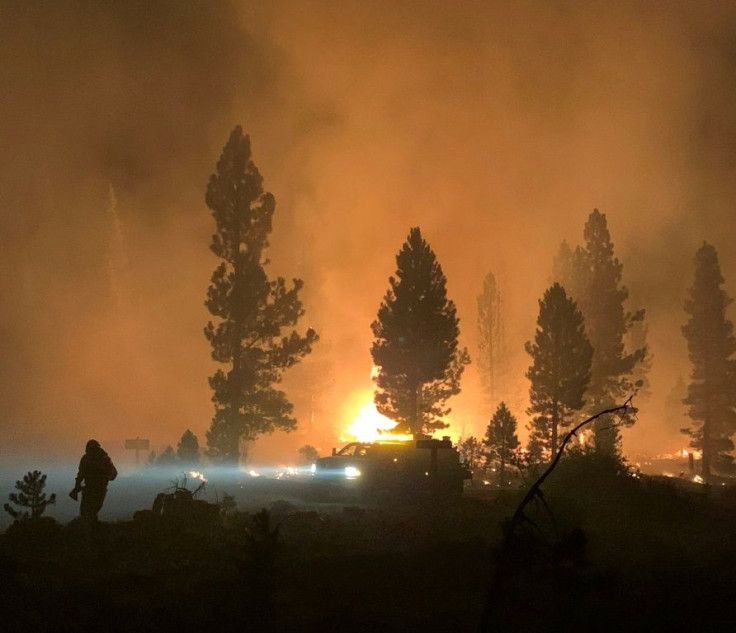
706	425
706	449
502	466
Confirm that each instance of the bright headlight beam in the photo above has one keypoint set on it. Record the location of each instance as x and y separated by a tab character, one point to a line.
351	472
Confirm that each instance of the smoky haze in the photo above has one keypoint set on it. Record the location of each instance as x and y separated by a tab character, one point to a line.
495	127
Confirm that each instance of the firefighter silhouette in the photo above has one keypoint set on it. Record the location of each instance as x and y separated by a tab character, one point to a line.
96	470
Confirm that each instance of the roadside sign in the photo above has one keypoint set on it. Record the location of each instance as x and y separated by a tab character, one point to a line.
137	445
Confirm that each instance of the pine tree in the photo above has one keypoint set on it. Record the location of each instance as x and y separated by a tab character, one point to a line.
311	386
187	450
561	364
568	270
711	394
435	394
254	337
491	344
415	350
674	405
167	457
308	454
537	448
636	338
601	297
471	451
501	441
30	495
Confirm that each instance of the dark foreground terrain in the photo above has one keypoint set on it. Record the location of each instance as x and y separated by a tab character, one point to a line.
608	552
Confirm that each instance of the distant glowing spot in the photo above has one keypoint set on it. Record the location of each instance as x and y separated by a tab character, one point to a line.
698	479
195	474
253	473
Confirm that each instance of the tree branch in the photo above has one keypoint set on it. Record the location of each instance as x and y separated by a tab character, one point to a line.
535	492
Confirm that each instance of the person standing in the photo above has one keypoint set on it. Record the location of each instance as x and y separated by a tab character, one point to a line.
96	470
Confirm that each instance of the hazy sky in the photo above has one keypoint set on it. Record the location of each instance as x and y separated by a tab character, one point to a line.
496	127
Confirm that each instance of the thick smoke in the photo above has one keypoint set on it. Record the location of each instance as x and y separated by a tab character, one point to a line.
102	301
495	127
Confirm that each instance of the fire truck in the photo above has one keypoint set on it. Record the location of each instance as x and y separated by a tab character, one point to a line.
417	467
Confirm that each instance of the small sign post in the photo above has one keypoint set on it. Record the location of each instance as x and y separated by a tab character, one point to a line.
137	445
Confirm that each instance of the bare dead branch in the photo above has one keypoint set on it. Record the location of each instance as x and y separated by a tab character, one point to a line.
535	492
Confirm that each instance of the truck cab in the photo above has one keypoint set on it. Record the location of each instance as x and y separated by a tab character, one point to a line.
416	467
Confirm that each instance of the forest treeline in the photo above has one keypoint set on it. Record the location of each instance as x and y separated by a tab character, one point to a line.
588	352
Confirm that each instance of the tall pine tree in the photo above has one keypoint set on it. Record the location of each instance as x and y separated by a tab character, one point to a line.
592	274
491	345
607	323
254	336
561	366
711	394
501	441
415	349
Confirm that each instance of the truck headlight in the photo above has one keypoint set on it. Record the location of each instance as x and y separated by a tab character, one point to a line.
351	472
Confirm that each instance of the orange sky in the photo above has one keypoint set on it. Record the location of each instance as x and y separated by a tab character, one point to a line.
495	127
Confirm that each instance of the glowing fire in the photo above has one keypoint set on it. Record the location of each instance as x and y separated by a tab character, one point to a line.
195	474
696	454
370	426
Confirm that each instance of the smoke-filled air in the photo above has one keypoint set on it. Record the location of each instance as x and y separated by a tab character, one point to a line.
494	128
367	315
